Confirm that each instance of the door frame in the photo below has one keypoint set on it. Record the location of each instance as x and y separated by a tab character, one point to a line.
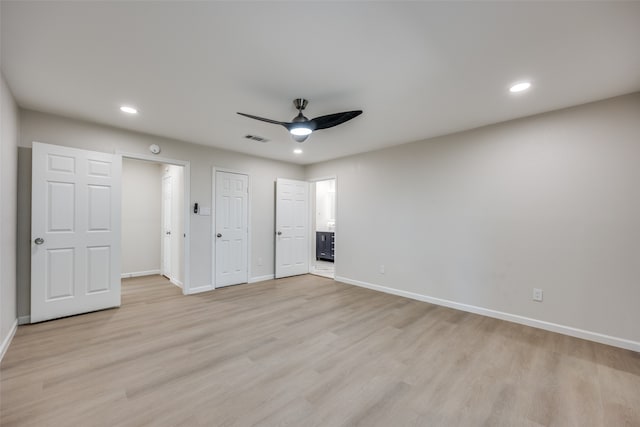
186	289
213	221
166	272
312	213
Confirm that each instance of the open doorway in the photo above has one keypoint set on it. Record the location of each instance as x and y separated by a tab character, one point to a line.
324	227
153	220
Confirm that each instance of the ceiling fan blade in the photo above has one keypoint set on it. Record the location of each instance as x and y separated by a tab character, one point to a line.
275	122
331	120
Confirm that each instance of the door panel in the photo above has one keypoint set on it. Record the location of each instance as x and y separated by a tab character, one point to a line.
61	215
99	218
57	163
99	169
60	278
75	223
231	229
292	229
98	275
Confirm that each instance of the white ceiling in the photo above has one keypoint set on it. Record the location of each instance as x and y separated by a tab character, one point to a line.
417	69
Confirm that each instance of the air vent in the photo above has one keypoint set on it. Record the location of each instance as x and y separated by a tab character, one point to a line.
256	138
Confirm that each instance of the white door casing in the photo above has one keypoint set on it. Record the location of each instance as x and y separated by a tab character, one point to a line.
167	201
75	226
231	228
292	227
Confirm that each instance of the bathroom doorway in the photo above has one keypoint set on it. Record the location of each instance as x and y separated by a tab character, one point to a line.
323	228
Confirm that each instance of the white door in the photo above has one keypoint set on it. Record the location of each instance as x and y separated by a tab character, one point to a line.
75	226
232	192
167	197
292	229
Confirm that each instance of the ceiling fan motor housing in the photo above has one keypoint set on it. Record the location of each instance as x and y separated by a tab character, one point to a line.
299	118
300	103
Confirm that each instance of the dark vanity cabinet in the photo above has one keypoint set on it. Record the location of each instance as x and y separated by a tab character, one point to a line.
324	245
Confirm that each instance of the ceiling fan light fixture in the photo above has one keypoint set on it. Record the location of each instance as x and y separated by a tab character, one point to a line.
300	138
300	131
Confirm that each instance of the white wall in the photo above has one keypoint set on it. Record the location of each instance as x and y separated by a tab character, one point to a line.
141	214
8	220
325	205
42	127
482	217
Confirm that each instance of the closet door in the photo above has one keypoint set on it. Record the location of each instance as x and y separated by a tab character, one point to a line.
232	193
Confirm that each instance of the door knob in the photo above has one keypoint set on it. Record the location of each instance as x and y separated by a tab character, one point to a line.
218	235
168	233
279	233
39	241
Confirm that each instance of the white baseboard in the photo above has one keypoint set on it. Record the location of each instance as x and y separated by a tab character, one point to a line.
139	273
250	280
540	324
24	320
200	289
261	278
177	283
7	340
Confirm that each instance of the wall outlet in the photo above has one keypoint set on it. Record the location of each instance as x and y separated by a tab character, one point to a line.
381	268
537	294
259	261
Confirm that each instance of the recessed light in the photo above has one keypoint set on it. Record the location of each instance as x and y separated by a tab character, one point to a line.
519	87
129	110
298	151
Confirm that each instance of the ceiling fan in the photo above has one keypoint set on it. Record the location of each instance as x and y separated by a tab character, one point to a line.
301	127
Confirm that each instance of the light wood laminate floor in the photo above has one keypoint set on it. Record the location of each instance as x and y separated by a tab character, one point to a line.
306	351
